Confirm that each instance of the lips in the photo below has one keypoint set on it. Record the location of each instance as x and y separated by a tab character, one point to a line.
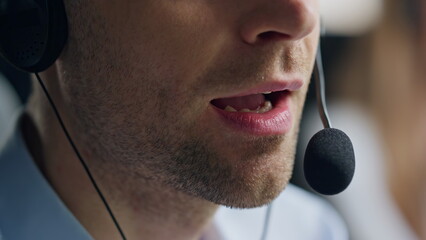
263	110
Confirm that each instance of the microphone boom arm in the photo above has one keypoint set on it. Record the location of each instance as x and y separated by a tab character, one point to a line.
318	75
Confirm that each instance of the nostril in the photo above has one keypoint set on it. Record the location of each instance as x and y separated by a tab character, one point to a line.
280	20
272	35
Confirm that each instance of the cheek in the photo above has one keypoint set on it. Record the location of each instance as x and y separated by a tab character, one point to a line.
171	38
311	44
162	57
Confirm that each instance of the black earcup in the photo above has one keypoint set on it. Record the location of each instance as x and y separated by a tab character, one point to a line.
32	32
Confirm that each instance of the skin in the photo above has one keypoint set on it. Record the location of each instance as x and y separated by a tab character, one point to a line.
134	85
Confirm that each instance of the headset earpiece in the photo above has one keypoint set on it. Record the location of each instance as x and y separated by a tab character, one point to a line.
32	32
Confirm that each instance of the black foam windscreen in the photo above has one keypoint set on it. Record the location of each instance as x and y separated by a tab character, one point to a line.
329	164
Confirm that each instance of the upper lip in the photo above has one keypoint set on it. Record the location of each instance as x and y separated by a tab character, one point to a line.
270	86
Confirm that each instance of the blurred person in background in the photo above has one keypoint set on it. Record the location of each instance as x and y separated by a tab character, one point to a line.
398	98
379	94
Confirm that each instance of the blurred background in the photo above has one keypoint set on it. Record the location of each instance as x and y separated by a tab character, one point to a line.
375	59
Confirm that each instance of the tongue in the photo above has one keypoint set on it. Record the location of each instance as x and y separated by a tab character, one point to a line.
251	102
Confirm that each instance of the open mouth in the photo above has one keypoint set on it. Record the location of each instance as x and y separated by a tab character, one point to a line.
262	111
254	103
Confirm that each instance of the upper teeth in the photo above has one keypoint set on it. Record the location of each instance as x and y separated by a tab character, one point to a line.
266	92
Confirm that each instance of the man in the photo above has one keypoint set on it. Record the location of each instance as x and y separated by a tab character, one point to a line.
177	107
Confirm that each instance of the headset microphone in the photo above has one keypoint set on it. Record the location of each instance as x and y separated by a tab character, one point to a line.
329	164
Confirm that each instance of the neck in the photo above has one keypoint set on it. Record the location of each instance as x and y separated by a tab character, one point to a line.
145	211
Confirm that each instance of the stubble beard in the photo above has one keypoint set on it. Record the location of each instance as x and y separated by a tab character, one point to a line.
148	145
247	182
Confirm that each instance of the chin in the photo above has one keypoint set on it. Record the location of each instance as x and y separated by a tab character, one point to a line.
247	182
253	189
258	175
230	170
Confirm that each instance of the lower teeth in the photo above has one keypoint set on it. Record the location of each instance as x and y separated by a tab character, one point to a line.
230	109
267	106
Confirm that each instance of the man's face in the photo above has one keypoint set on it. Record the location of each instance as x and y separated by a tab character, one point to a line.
149	83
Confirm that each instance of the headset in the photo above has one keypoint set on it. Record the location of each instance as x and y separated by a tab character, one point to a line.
33	34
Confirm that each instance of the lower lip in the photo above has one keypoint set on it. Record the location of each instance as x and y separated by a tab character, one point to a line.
278	121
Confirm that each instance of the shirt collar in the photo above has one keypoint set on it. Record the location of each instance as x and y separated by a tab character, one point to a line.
29	207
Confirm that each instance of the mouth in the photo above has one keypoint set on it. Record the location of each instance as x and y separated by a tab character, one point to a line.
263	113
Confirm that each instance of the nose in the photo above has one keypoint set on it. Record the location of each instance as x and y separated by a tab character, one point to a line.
290	20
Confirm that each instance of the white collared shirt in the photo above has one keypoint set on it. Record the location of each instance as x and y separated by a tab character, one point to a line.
29	207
